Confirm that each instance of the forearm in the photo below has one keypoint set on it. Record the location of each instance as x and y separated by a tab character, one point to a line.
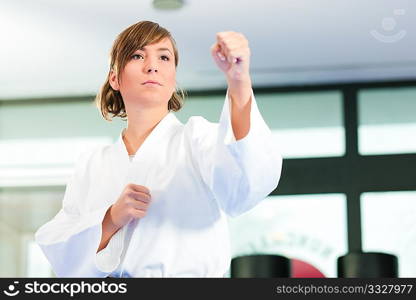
240	93
108	230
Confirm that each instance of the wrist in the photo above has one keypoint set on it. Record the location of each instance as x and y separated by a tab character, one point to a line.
111	220
239	86
240	79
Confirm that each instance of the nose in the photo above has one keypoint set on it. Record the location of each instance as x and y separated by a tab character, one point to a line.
150	65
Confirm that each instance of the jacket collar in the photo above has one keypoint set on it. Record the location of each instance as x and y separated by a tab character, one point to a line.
162	129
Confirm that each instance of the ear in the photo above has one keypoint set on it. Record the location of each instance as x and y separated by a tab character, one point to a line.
113	80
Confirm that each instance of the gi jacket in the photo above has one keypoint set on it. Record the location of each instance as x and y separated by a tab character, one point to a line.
197	174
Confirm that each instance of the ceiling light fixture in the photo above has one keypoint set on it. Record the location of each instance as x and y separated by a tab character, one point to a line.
168	4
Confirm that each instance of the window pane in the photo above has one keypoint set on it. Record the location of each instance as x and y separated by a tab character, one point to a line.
388	224
387	121
303	124
42	162
54	120
22	212
41	148
311	228
208	107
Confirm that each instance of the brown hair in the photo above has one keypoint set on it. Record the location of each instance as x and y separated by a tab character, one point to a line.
137	36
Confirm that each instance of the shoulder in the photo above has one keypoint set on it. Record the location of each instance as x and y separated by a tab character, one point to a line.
198	127
91	155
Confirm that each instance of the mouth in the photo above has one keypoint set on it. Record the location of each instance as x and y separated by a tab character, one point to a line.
151	82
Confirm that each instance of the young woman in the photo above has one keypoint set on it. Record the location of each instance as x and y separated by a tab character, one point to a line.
155	203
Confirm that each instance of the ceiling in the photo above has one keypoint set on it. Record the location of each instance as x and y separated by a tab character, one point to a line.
60	48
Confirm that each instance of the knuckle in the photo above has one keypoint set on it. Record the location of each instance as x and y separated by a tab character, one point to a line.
139	204
143	197
144	189
145	205
140	214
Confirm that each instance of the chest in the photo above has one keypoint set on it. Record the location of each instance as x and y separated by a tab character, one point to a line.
178	192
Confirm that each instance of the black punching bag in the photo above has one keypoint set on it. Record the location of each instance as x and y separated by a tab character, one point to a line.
260	266
367	265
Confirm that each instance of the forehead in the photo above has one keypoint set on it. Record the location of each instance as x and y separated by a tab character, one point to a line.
165	43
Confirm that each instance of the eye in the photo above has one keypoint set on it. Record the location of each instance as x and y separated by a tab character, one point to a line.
167	58
135	55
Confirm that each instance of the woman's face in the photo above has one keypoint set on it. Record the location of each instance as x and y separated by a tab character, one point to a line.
155	62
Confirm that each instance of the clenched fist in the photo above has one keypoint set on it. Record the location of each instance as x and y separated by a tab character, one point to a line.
132	204
232	55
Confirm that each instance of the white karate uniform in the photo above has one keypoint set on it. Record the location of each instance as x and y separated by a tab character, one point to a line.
197	174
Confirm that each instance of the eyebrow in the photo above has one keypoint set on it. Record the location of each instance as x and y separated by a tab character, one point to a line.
159	49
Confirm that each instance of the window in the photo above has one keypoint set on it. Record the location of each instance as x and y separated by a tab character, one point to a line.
388	226
311	228
49	138
303	124
387	121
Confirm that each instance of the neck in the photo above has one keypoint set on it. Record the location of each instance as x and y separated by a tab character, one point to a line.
140	124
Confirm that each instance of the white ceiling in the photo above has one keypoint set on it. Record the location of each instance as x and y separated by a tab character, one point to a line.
60	48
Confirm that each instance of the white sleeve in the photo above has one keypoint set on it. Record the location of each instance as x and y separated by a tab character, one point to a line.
109	258
71	239
239	173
